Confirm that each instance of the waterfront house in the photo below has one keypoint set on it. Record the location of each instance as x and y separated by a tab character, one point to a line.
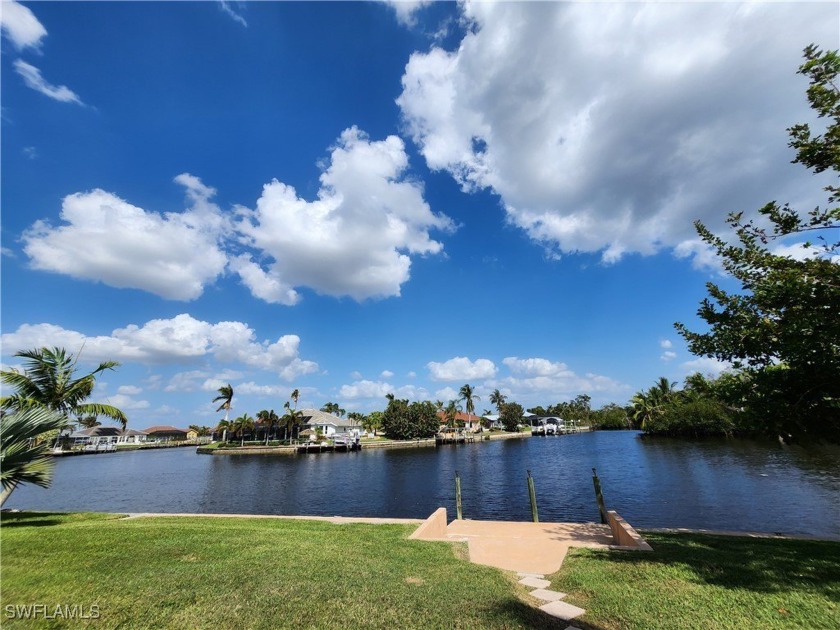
107	435
495	422
469	421
329	424
166	433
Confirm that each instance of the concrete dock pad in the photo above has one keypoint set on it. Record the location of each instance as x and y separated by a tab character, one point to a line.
533	548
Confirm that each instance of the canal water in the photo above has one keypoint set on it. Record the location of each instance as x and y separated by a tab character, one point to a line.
715	484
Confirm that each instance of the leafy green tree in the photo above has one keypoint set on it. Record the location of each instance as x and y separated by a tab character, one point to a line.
781	328
610	416
49	380
511	415
24	454
404	421
226	397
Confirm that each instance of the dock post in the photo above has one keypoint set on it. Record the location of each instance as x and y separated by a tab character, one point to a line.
599	497
458	512
532	495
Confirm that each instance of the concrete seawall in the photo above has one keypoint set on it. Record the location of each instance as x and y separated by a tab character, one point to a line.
291	450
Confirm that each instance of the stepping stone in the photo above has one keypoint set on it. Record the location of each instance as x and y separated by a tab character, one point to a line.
572	628
533	575
535	582
547	596
562	610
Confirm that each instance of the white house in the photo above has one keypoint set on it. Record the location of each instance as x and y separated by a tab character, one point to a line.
496	423
107	435
330	425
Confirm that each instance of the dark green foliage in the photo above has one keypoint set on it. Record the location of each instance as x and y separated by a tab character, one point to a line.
404	421
782	328
692	417
511	415
610	416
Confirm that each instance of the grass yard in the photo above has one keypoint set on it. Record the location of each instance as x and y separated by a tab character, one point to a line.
698	582
248	573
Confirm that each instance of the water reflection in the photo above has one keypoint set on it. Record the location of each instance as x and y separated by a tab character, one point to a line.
720	484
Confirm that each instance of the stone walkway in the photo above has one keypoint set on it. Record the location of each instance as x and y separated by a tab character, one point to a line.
554	606
532	550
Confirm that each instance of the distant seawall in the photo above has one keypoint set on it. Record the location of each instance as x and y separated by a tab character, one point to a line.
291	450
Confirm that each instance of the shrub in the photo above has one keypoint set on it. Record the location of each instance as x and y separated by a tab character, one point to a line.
511	416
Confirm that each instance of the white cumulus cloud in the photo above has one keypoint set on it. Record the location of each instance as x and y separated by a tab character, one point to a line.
104	238
20	26
406	10
611	127
354	240
706	365
461	368
181	339
365	389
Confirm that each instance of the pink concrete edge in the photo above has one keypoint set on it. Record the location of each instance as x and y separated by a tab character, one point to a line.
433	528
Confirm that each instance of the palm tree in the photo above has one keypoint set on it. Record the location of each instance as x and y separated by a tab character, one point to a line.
88	422
48	381
25	458
295	396
498	399
226	396
649	404
242	424
223	427
290	420
269	420
451	412
333	408
467	396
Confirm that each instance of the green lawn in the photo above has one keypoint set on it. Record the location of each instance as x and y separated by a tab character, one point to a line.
696	582
249	573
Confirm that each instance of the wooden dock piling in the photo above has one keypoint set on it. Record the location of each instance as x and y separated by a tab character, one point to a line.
599	497
458	512
532	495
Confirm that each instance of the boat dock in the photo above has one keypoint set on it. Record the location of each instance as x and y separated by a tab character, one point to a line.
326	447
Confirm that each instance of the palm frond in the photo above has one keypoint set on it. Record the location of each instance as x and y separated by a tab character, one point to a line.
23	459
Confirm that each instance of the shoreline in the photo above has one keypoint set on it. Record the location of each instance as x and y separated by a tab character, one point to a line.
293	450
389	520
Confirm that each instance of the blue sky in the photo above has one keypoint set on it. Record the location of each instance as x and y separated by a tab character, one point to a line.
353	199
